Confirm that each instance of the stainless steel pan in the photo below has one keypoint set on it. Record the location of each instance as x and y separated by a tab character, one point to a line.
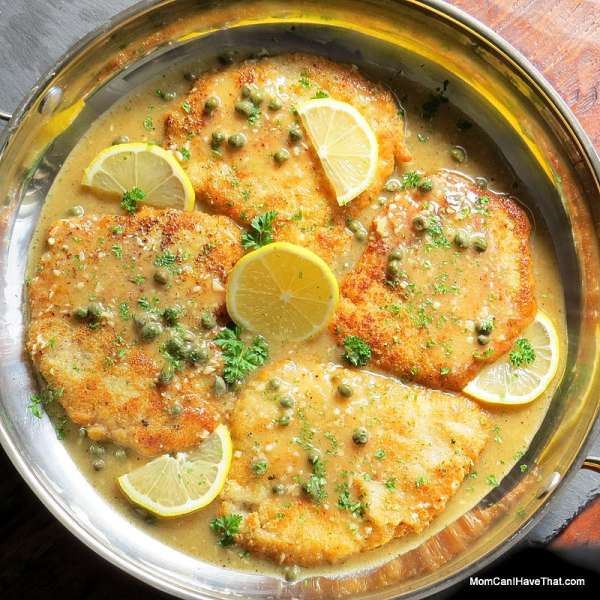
428	41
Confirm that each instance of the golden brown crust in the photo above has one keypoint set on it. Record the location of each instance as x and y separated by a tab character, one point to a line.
425	330
108	373
247	182
421	445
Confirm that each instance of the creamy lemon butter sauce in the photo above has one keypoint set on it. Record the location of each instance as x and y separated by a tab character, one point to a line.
139	116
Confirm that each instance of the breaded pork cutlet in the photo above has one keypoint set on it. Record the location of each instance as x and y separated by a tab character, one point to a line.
256	99
115	323
445	285
330	462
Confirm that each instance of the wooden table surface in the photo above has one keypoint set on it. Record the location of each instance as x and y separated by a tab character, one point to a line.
39	557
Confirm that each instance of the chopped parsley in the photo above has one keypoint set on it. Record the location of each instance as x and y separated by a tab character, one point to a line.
131	198
185	153
491	480
253	117
390	483
61	428
304	81
320	94
38	401
357	351
315	488
117	229
522	353
379	454
357	508
260	466
148	124
420	482
166	260
186	107
240	359
124	311
261	231
226	527
482	205
523	468
117	251
437	238
410	180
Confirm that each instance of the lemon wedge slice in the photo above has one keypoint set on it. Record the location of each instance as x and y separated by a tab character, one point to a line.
152	169
344	143
520	381
173	486
282	291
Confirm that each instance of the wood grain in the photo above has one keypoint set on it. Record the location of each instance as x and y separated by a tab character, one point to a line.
561	38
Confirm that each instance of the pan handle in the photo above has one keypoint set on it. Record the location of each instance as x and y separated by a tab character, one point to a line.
592	463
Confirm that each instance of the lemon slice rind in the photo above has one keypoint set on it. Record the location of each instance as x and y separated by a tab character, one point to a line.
345	144
282	291
502	384
172	486
153	169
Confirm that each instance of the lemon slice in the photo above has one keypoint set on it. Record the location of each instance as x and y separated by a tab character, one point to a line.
282	291
173	486
155	171
345	145
503	383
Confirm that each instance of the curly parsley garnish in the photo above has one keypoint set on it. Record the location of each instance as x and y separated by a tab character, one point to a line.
38	402
226	527
522	353
240	359
131	199
357	508
261	231
358	352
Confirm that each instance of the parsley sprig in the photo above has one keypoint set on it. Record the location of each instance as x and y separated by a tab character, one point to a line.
261	231
131	198
240	359
522	353
357	351
226	527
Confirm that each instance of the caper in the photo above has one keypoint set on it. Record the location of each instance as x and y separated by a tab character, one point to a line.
275	104
190	76
353	225
96	450
76	211
162	276
95	311
425	186
176	409
284	420
295	132
121	453
175	347
461	239
217	138
256	97
360	436
392	185
274	384
245	107
98	465
314	456
483	339
208	320
82	432
419	222
286	401
458	154
219	385
122	139
166	374
247	90
81	313
291	573
168	96
237	140
344	390
396	254
479	242
394	268
197	354
485	326
151	330
211	104
281	155
171	315
361	235
143	514
226	57
278	489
